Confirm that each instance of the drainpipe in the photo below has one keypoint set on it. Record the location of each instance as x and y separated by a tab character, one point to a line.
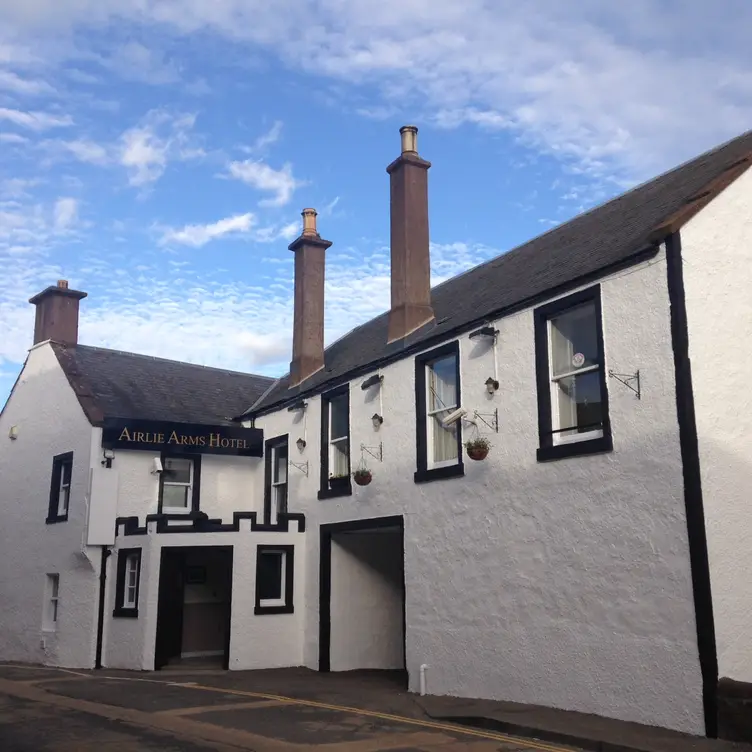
102	590
423	668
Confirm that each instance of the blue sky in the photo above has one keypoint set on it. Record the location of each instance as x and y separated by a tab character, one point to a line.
157	153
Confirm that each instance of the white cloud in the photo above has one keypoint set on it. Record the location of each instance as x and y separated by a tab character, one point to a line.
200	235
10	81
13	138
17	187
262	177
65	213
87	151
35	121
134	61
267	139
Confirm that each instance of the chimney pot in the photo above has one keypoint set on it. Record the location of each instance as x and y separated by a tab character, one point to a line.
309	222
409	135
63	284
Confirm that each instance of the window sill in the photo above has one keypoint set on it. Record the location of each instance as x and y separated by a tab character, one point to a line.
55	520
270	610
575	449
128	613
331	493
439	473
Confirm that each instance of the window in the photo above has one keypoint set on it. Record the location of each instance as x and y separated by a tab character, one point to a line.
437	395
572	396
179	484
51	602
127	583
60	488
335	443
274	579
275	489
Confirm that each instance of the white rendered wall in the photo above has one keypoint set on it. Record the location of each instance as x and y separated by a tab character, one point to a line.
50	421
717	252
564	584
263	641
366	601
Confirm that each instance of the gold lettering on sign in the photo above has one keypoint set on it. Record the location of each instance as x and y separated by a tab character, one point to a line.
173	438
124	436
214	440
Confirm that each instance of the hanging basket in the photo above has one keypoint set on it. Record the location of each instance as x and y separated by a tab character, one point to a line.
477	449
362	477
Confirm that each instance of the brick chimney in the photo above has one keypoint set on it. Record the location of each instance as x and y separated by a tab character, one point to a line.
308	325
57	314
411	264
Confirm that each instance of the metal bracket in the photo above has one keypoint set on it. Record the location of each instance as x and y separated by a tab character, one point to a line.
493	419
302	466
376	452
630	380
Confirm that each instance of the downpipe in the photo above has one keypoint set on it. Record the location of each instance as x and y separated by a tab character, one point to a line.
423	669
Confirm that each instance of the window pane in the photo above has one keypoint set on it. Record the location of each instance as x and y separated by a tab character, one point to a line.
339	456
339	417
62	501
54	585
65	474
280	498
178	470
574	333
580	406
175	496
442	383
269	575
280	464
444	441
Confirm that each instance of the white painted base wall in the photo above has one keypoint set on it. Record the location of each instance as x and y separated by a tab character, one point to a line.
366	601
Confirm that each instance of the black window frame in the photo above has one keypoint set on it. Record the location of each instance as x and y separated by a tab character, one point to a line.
269	446
327	490
59	463
423	473
289	563
122	559
195	490
547	450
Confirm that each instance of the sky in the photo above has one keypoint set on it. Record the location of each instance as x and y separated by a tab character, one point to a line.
157	153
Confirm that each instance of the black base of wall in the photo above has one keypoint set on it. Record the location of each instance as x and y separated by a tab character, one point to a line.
735	710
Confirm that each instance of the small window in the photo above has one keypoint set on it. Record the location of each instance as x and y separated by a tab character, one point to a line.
51	602
275	492
128	581
179	485
60	487
335	443
274	579
572	397
437	395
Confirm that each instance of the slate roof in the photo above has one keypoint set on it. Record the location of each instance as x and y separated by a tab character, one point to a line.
115	384
614	233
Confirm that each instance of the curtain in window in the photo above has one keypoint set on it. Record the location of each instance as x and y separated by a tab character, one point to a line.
442	399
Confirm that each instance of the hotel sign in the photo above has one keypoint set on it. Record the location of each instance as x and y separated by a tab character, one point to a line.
192	438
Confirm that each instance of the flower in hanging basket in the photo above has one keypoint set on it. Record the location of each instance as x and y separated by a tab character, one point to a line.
477	449
362	476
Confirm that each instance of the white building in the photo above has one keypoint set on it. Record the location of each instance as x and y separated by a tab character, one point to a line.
596	560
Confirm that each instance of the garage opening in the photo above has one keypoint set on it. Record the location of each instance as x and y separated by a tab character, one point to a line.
362	596
193	616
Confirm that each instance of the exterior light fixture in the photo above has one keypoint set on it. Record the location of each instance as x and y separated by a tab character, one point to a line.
301	444
491	385
13	433
377	421
108	455
368	383
300	405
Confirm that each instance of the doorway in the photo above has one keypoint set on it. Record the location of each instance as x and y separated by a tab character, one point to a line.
193	615
362	595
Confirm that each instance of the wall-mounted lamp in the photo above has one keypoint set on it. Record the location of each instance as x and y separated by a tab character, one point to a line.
13	433
377	420
484	331
301	405
491	385
372	381
300	444
108	455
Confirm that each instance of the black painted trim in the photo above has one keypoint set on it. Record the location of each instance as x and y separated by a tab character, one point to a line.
547	450
59	461
325	576
269	445
638	257
196	487
289	605
423	473
326	490
100	611
122	556
199	522
693	501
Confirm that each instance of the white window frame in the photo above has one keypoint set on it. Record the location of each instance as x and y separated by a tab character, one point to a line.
575	438
431	421
132	567
338	439
271	602
51	602
276	485
189	495
64	488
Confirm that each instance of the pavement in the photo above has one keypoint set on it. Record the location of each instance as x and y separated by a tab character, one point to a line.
288	709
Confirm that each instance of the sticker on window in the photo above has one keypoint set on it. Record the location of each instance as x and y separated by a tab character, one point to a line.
578	360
